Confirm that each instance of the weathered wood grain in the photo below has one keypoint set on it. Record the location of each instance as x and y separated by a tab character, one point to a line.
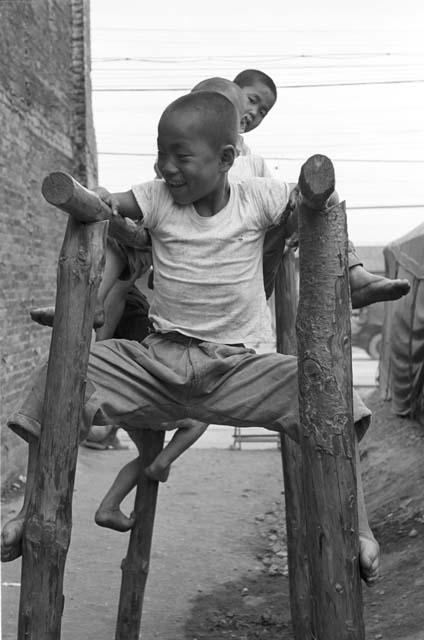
326	415
285	322
135	566
48	527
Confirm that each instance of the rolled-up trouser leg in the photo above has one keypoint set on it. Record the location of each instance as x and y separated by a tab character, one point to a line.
161	381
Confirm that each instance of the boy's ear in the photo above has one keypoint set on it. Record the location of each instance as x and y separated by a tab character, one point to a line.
228	155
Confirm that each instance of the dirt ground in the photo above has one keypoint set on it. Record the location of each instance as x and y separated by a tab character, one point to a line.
219	564
393	470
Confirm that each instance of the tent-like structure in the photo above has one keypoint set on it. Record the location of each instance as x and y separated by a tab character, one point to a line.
402	361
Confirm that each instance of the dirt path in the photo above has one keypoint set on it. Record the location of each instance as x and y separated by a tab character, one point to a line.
393	470
215	527
205	535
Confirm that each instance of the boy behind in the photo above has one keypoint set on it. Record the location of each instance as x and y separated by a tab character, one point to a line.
260	95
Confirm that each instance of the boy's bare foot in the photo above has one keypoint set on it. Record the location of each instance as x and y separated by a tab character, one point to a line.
11	539
99	318
367	288
157	472
113	519
45	316
369	558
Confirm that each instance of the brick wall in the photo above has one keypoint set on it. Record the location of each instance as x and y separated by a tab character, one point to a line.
46	125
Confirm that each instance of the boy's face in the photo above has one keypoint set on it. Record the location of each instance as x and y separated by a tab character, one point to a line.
259	100
187	160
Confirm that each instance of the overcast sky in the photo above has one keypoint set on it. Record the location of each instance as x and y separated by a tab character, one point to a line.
367	115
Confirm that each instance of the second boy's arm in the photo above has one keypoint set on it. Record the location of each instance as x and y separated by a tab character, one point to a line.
124	205
291	223
128	233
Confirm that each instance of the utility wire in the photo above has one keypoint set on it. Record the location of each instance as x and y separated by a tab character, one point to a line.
282	86
271	157
373	65
388	206
286	86
237	29
230	57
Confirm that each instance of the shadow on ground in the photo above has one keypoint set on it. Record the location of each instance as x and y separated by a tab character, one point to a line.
258	607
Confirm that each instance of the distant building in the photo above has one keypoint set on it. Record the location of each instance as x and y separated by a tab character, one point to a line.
372	257
402	362
46	125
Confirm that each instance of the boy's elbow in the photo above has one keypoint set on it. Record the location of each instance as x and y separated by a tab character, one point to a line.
333	199
128	206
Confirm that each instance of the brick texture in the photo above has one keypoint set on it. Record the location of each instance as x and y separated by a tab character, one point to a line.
46	125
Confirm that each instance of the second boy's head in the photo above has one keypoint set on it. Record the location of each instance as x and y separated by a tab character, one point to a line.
260	93
228	89
197	135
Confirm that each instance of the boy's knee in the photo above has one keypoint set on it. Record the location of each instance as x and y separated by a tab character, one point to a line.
362	426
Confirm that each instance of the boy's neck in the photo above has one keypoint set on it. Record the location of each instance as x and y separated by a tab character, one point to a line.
211	204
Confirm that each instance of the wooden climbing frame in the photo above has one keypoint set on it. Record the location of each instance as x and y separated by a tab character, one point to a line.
319	470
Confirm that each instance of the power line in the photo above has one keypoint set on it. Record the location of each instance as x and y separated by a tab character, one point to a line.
360	160
126	153
335	65
238	29
282	86
246	56
271	157
388	206
232	67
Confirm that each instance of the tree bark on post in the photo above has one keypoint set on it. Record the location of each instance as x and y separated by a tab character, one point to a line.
291	453
47	529
135	566
325	405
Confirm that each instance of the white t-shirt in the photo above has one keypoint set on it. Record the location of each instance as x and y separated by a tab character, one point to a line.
208	271
246	167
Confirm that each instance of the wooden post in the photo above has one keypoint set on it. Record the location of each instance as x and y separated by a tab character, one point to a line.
325	404
135	566
285	321
48	527
65	193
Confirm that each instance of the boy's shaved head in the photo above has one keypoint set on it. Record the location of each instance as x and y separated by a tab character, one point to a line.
249	77
210	114
197	137
226	87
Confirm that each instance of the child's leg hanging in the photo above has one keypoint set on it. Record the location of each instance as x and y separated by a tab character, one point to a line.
114	266
187	433
11	536
109	513
369	549
112	307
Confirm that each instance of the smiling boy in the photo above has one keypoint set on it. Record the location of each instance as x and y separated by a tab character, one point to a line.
207	237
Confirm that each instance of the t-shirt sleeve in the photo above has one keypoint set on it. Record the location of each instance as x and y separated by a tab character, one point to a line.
154	200
271	197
